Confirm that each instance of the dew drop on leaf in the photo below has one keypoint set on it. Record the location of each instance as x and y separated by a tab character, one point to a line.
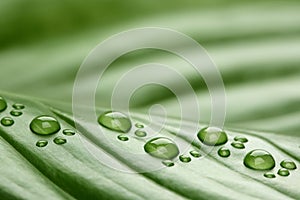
18	106
269	175
168	163
68	132
140	133
283	172
195	153
59	140
115	121
288	164
16	113
224	152
238	145
259	160
161	147
7	121
185	158
123	138
44	125
139	125
241	139
212	136
3	104
41	143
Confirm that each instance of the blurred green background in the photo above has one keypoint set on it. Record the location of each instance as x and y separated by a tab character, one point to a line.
256	46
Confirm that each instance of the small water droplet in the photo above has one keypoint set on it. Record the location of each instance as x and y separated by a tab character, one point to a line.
18	106
41	143
16	113
224	152
259	160
238	145
3	104
185	158
195	153
115	121
168	163
212	136
140	133
60	140
44	125
269	175
68	132
283	172
161	147
288	164
7	121
123	138
139	125
241	139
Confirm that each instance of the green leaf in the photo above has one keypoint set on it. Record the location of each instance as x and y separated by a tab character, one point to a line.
255	45
77	172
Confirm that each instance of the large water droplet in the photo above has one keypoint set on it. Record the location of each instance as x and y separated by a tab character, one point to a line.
68	132
139	125
212	136
140	133
259	160
115	121
224	152
241	139
168	163
288	164
283	172
18	106
185	158
60	140
41	143
16	113
161	147
269	175
238	145
44	125
195	153
123	138
3	104
7	121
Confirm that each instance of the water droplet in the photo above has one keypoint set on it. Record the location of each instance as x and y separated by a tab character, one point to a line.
138	125
123	138
224	152
68	132
161	147
269	175
41	143
3	104
18	106
283	172
241	139
168	163
212	136
60	140
195	153
185	158
238	145
7	121
288	164
44	125
16	113
140	133
259	160
115	121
